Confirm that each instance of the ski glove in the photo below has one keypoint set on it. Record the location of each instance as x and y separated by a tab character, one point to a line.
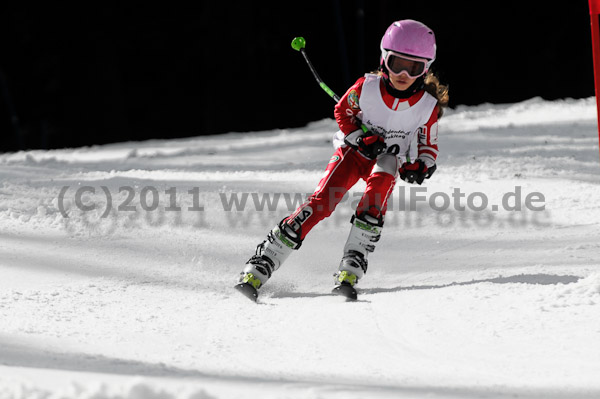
369	144
416	172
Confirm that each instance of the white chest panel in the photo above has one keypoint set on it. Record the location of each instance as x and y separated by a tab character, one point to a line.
398	126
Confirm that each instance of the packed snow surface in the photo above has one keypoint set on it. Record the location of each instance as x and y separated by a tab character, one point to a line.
117	264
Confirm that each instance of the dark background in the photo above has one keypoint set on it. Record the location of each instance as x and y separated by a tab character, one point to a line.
99	73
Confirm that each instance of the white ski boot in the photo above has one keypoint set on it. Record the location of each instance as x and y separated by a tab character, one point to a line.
365	232
269	256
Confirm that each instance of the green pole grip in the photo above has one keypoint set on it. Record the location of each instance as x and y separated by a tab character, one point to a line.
327	90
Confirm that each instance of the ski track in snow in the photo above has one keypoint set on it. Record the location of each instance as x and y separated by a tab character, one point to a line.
138	303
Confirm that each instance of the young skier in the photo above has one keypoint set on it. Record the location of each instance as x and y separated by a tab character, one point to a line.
399	101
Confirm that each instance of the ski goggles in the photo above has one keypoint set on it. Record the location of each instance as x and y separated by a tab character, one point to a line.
397	63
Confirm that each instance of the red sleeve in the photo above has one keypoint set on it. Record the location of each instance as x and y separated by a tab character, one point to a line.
428	140
347	108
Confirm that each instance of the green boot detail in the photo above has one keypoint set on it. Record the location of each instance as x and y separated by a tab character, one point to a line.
250	279
347	277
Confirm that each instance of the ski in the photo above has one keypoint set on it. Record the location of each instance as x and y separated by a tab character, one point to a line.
248	291
346	290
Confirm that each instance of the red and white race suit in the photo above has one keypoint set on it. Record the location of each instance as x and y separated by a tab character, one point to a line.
399	121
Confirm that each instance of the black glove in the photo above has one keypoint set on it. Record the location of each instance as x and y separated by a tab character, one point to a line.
416	172
367	143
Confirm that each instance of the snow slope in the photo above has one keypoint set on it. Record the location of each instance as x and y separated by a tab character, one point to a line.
133	299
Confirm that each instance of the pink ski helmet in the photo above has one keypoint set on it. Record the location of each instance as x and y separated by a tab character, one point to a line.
410	38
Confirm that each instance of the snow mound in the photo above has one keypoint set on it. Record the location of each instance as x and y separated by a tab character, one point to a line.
137	389
535	111
586	292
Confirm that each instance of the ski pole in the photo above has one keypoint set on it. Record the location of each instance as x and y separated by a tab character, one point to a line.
299	44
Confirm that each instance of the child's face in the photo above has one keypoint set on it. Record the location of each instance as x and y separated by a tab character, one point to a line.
402	81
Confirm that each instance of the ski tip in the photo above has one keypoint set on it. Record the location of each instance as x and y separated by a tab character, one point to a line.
345	290
247	290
